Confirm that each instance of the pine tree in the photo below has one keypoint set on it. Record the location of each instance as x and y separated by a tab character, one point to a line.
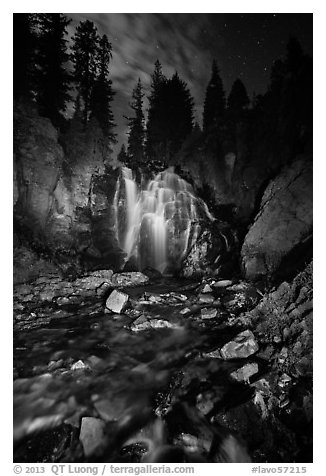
123	156
24	44
170	115
238	99
102	93
53	79
85	56
294	55
136	124
214	105
154	122
178	114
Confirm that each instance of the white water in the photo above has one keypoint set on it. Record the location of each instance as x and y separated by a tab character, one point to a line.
157	224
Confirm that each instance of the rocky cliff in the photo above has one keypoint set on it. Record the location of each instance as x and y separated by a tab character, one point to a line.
283	223
59	199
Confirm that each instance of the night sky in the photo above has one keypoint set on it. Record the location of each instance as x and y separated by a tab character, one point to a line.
244	46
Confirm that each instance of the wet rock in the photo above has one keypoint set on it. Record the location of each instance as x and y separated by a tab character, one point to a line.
242	286
207	289
155	299
283	355
117	301
79	365
224	283
214	354
185	311
202	256
140	324
62	300
92	434
152	273
53	365
129	279
179	297
208	313
102	290
160	324
206	299
244	373
243	345
284	380
143	323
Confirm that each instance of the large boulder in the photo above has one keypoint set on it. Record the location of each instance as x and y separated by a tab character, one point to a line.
283	222
213	251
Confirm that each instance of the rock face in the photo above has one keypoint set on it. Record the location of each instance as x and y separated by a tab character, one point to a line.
38	160
58	192
283	222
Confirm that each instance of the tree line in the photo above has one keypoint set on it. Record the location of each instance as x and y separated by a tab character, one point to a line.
54	74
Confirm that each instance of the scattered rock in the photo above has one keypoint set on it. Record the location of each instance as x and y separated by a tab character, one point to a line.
224	283
215	354
103	289
283	355
179	297
152	273
160	324
62	300
206	298
208	313
117	301
244	373
185	311
92	434
284	380
134	278
140	324
243	345
79	365
207	289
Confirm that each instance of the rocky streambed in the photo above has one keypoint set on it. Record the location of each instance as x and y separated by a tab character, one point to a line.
112	367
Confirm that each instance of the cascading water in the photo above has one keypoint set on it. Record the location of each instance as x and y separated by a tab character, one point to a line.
157	223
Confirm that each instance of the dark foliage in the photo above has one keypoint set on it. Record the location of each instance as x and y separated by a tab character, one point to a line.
102	93
123	156
136	124
214	105
238	99
153	126
24	43
170	116
84	57
53	79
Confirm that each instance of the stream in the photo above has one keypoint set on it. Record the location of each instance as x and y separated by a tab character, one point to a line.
126	370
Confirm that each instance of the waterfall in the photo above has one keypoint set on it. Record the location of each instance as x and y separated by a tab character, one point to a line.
157	222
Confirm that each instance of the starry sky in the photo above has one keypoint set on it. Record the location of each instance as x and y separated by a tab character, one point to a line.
244	46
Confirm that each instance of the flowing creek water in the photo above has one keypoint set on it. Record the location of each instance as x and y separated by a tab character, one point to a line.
76	361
